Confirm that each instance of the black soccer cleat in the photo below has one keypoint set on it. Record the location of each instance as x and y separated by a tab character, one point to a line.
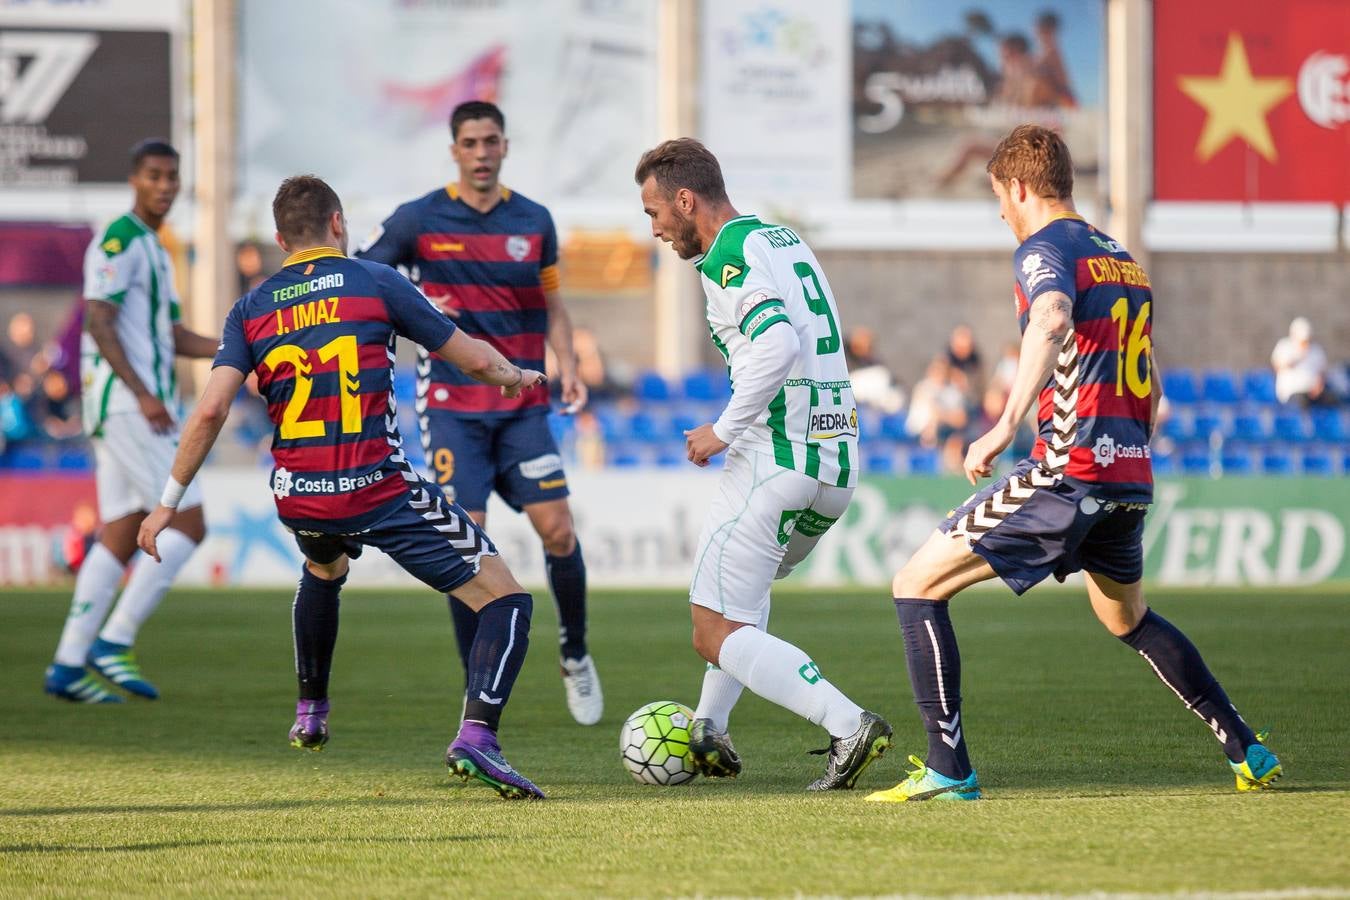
711	751
849	756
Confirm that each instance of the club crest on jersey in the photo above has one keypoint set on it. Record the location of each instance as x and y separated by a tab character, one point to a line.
518	247
828	425
1034	268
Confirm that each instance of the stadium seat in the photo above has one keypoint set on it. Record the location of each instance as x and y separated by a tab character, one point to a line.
1258	385
667	459
24	459
1329	426
1250	426
1277	460
924	461
625	456
893	428
74	459
682	422
879	464
650	387
1195	460
611	424
1236	459
1164	464
1318	461
1221	386
1179	426
1292	425
1179	386
1207	423
698	386
646	428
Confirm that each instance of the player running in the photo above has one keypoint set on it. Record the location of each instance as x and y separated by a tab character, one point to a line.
489	257
1085	309
320	335
133	331
791	436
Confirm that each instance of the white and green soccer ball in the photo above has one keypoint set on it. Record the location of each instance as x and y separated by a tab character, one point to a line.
654	743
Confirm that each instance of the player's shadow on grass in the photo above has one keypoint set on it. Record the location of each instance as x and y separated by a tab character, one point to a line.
259	806
183	845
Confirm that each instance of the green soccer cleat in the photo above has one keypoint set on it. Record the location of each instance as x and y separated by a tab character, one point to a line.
925	784
849	756
117	663
1260	769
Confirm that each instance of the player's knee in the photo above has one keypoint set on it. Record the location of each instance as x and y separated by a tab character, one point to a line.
558	536
706	644
912	582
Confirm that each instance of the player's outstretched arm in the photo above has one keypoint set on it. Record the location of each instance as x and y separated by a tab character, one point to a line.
482	362
1051	320
191	344
199	435
100	320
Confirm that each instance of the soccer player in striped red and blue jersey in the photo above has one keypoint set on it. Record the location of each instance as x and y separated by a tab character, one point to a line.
488	256
320	336
1078	503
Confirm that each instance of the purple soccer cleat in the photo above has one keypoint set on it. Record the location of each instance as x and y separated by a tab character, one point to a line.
310	731
474	753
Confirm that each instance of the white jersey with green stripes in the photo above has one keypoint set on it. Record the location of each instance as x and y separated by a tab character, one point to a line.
128	267
758	276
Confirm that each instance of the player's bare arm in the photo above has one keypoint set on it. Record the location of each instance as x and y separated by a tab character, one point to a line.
1156	395
101	323
199	436
191	344
482	362
574	391
1050	322
758	381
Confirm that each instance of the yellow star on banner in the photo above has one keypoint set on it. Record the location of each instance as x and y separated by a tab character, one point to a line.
1236	103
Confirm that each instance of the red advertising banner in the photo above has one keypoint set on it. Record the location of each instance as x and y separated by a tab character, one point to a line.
42	519
1251	100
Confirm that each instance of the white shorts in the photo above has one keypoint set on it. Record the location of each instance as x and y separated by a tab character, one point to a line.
131	464
765	520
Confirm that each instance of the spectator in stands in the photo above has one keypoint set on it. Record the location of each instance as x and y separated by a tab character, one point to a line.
874	385
589	439
21	346
1005	370
248	264
15	421
1300	367
56	411
938	412
965	359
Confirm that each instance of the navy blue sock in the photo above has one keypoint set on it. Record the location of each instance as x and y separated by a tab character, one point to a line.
498	651
935	674
567	580
314	624
1179	666
466	628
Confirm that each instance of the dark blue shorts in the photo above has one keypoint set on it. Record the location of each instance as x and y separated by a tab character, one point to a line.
1028	525
433	540
517	457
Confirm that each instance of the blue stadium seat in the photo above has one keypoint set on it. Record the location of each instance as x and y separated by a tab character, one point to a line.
1318	461
1258	385
1195	460
879	464
706	386
1208	422
1236	459
1329	426
611	424
646	428
893	428
1179	426
625	456
1250	426
668	459
1293	426
1179	386
1164	464
405	387
682	422
924	461
74	459
650	387
1221	386
1277	460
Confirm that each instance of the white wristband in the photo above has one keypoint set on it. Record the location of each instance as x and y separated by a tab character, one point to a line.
173	493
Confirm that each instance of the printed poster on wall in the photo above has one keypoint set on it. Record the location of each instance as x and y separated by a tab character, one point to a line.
774	74
364	99
1250	106
936	85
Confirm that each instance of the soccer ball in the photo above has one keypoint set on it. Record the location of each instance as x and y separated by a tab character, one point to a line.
654	743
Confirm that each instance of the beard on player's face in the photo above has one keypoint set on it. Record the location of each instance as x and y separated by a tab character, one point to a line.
684	236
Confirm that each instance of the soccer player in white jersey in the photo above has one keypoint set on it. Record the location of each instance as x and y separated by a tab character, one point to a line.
132	334
790	432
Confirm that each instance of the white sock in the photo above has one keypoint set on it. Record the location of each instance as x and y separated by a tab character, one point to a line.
95	586
721	691
780	672
149	582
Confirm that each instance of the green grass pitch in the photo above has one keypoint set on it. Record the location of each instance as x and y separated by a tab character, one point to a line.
1096	779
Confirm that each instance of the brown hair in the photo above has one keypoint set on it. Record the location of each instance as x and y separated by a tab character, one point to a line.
302	208
1038	158
683	163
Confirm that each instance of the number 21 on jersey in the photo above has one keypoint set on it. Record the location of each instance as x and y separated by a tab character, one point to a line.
349	368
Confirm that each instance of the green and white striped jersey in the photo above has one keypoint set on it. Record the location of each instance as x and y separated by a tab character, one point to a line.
758	277
129	267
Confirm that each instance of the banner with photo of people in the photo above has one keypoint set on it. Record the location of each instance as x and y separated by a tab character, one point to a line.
935	85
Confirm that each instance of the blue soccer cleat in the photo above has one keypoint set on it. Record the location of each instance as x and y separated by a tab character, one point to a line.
1260	769
74	683
475	754
310	731
925	784
117	663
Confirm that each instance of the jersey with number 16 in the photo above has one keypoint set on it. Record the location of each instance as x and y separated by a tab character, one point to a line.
757	277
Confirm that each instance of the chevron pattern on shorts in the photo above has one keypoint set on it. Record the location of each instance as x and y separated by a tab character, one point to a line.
463	537
1003	503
